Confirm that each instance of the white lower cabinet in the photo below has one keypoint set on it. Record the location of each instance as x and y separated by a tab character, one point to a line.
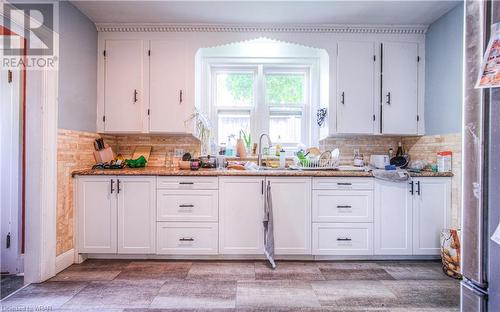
349	239
188	205
241	212
342	206
224	215
116	214
187	238
431	214
393	218
96	207
136	215
291	203
409	217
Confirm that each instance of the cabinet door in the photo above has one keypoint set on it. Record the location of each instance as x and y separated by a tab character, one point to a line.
399	88
168	107
291	204
241	213
136	214
355	87
124	98
96	206
393	218
431	214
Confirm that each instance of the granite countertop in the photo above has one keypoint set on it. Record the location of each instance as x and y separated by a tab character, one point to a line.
163	171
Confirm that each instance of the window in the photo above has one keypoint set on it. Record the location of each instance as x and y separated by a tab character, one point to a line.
261	98
286	102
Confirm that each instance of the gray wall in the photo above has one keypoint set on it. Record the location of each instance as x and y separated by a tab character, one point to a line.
443	74
77	69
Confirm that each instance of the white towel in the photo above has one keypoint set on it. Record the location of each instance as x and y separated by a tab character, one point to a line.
268	227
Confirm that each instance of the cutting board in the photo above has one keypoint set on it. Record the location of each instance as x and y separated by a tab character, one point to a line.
142	151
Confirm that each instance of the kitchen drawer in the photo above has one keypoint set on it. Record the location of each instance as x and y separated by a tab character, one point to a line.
188	183
342	183
342	206
181	238
344	239
187	205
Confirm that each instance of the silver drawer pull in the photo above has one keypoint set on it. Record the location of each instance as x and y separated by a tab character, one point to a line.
186	239
186	206
344	183
186	183
344	206
345	239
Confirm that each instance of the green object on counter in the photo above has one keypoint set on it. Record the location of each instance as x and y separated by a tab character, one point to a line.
136	163
434	168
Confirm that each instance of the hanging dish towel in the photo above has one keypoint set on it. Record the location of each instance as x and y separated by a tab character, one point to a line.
268	227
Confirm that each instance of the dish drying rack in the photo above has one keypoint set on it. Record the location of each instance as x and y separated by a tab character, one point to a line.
316	164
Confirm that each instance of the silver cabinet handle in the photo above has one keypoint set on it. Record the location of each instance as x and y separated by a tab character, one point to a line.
135	95
344	206
186	183
187	239
180	96
388	98
419	192
342	98
186	206
118	186
112	186
411	187
344	183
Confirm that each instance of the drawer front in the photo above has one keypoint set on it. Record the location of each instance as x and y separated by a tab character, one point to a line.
188	183
342	206
188	205
180	238
342	239
342	184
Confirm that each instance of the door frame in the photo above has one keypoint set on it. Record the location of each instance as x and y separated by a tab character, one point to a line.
41	169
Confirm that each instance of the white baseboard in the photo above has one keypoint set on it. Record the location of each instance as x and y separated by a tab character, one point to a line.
65	260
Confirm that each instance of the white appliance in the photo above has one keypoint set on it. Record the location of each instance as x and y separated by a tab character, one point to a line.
379	161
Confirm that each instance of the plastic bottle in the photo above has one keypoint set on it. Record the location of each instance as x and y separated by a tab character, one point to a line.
278	146
230	148
282	159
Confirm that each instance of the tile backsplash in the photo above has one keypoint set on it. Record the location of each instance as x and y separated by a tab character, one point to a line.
367	145
163	145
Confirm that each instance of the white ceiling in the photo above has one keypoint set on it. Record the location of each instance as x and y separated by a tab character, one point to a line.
267	12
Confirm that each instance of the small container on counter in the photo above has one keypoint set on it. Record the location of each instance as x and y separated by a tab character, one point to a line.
195	164
282	158
444	161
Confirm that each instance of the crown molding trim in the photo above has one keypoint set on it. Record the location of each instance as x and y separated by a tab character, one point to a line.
358	29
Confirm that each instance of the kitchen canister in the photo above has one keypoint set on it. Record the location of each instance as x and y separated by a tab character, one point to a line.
444	161
450	252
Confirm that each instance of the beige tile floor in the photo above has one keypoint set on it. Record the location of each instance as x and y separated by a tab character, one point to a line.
119	285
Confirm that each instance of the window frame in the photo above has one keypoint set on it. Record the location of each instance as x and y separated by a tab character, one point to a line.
260	66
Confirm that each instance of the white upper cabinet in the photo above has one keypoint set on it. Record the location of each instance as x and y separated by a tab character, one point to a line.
169	108
124	107
291	204
355	87
400	88
431	214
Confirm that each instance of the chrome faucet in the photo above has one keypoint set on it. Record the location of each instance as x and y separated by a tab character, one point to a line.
259	156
